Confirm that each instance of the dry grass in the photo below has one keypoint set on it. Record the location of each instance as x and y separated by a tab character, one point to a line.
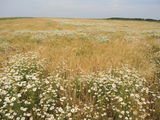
84	45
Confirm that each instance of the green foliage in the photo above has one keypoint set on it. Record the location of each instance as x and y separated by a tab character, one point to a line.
135	19
12	18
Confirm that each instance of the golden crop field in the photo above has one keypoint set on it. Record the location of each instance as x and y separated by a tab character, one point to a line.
78	54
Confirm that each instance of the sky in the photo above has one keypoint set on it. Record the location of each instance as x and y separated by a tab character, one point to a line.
81	8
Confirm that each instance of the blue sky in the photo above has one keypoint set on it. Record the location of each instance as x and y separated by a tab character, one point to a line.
80	8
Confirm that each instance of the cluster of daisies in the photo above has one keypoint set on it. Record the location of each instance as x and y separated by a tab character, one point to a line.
29	92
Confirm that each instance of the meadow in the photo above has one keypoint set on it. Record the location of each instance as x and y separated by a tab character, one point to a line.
79	69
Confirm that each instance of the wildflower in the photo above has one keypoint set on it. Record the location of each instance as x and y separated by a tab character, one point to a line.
29	86
114	85
13	99
34	89
23	118
120	116
135	112
23	109
19	95
120	99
